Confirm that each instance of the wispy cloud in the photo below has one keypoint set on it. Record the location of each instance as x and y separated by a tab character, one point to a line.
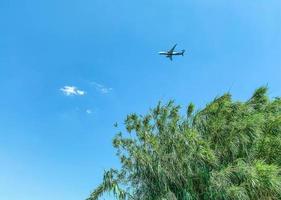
101	88
88	111
72	91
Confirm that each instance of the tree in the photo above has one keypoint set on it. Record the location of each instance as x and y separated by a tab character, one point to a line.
228	150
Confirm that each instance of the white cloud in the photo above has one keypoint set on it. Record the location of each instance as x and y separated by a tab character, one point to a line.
101	88
72	90
88	111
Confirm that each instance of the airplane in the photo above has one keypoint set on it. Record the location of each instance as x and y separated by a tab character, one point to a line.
171	53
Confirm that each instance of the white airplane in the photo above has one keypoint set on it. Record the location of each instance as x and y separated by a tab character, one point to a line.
171	53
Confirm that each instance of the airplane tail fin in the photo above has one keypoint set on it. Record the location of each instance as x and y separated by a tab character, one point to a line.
182	52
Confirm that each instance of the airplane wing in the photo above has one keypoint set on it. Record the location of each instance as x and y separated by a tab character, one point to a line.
172	49
171	57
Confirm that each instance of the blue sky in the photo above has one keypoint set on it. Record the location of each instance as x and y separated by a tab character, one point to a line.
56	146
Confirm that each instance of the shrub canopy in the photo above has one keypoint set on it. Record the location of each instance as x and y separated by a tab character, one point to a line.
228	150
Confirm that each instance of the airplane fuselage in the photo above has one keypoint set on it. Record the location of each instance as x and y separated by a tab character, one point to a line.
170	54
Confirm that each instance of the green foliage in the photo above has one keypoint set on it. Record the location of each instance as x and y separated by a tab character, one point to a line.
228	150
